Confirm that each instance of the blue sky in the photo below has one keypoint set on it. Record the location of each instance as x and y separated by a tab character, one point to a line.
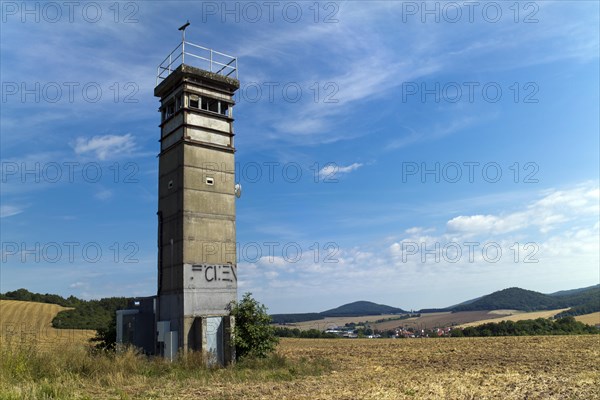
416	155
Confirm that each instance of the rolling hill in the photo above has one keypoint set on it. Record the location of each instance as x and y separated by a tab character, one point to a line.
582	301
355	309
512	299
361	308
92	314
579	302
574	291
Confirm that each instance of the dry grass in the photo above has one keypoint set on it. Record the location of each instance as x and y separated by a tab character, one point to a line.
551	367
590	319
40	362
76	372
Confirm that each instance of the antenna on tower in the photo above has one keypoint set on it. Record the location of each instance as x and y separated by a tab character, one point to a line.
182	29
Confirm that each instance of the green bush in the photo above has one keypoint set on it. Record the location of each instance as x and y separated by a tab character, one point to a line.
253	335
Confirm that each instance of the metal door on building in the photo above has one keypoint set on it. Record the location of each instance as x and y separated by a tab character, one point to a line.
214	340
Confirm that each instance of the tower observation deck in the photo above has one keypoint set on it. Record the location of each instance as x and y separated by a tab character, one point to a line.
200	57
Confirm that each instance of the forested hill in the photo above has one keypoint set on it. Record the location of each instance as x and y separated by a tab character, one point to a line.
583	301
359	308
356	309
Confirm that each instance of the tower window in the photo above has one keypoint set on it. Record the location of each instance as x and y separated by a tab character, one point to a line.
213	105
210	180
170	110
194	101
209	104
224	108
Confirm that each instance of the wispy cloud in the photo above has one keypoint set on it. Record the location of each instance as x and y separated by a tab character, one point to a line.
104	194
9	210
104	147
436	132
379	59
332	171
545	214
78	285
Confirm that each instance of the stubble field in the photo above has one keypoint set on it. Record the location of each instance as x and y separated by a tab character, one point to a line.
552	367
590	319
557	367
542	367
32	322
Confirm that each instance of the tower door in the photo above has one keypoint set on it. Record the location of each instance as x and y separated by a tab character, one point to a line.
214	340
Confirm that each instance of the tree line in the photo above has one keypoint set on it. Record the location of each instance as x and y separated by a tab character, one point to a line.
540	326
84	314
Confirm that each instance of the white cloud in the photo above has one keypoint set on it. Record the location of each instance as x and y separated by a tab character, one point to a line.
483	253
556	207
485	223
272	261
104	147
9	210
104	194
417	230
332	170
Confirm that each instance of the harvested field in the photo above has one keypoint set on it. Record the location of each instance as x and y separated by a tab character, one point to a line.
332	322
425	321
551	367
543	367
429	320
438	320
24	321
590	319
518	317
557	367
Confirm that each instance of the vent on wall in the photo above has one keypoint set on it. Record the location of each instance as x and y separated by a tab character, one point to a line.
210	180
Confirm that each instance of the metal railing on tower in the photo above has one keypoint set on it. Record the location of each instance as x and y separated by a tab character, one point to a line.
197	56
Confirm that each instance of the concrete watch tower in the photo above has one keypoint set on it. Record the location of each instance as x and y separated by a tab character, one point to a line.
197	269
